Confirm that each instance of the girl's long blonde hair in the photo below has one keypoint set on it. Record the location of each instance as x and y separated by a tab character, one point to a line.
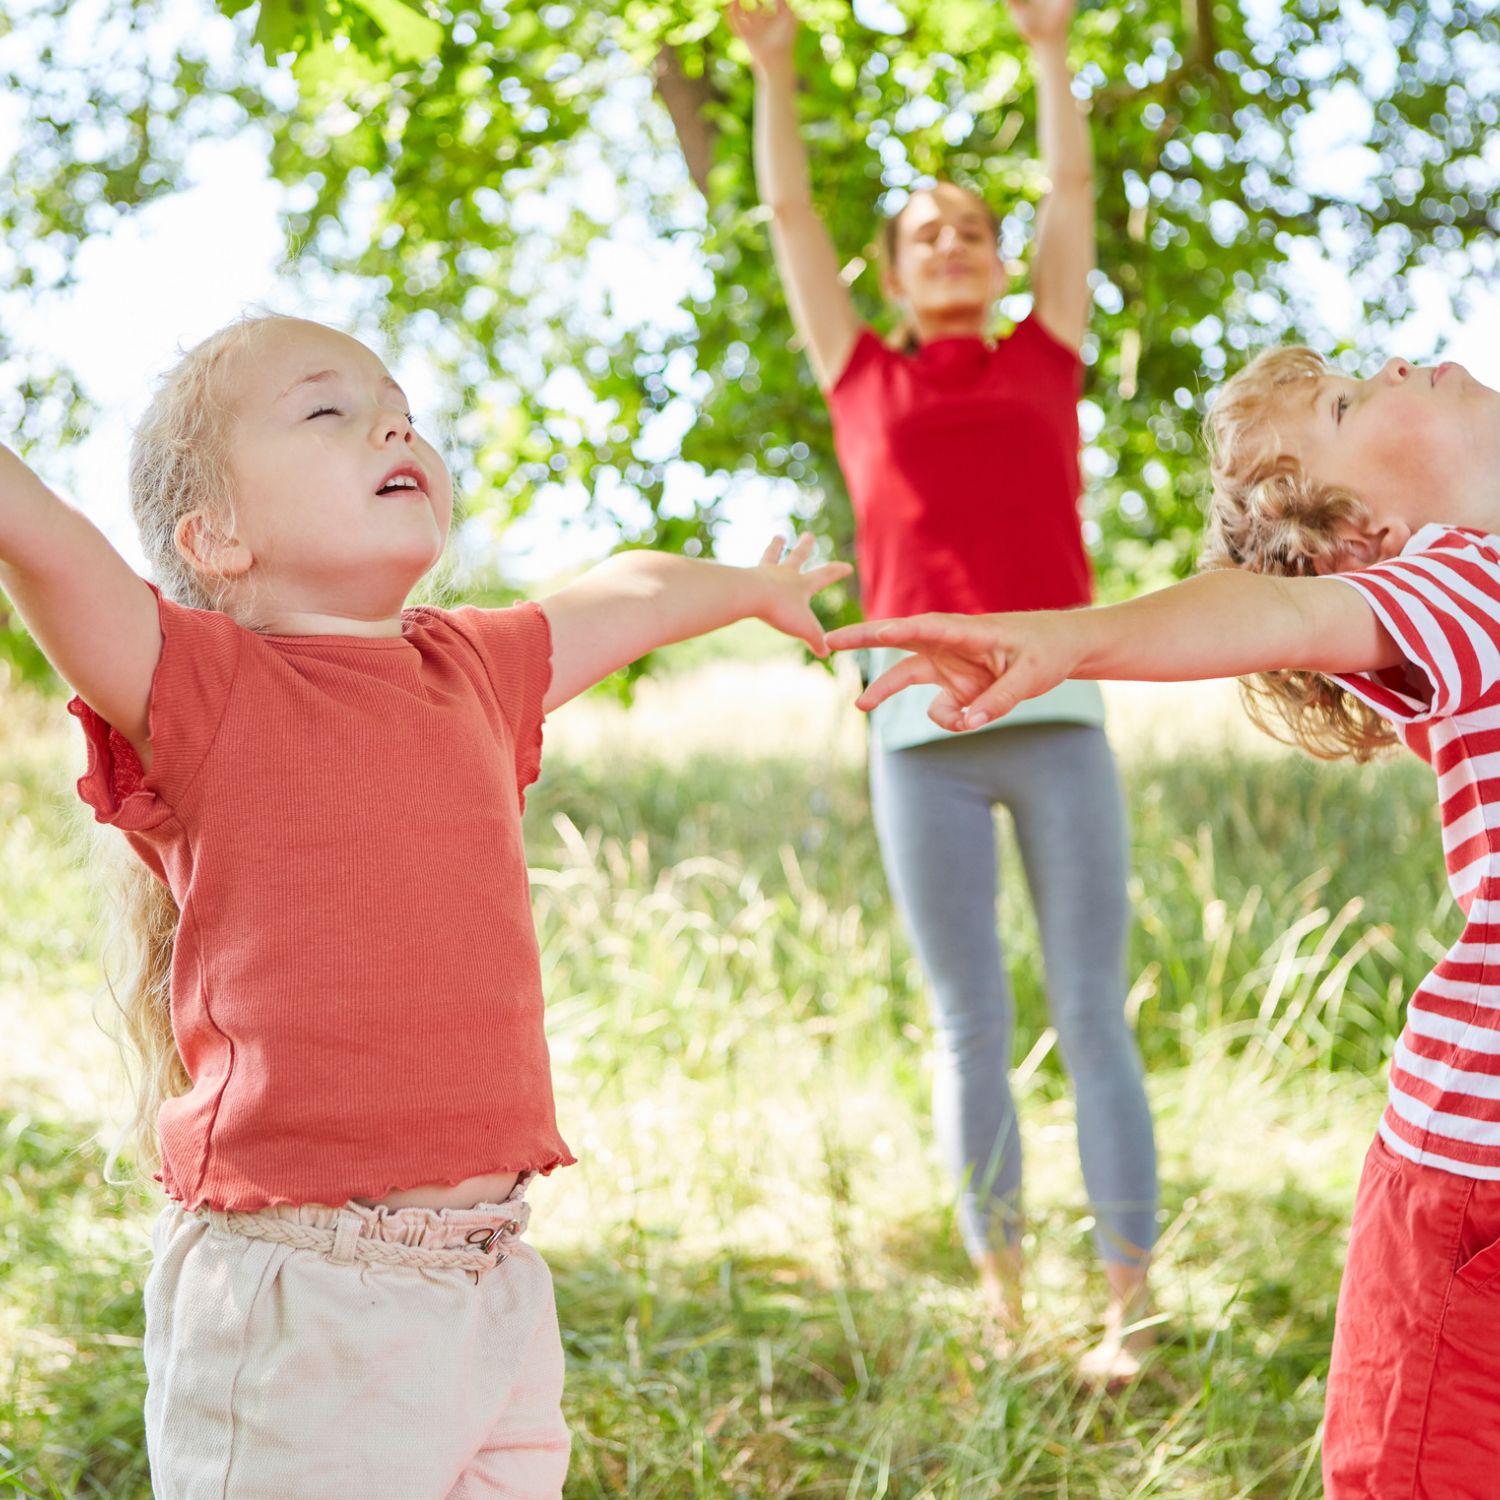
1268	515
179	463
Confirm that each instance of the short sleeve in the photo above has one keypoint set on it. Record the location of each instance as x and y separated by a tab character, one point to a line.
200	652
1440	600
870	352
1032	337
515	645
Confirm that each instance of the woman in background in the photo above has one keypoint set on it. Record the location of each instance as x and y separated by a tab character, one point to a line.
961	456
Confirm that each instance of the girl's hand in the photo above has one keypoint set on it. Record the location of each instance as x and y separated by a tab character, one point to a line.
768	29
984	664
788	589
1043	23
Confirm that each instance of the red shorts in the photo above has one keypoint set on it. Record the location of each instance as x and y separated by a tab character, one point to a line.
1414	1386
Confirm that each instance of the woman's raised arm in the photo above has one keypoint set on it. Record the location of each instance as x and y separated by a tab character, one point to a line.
87	608
822	308
1063	254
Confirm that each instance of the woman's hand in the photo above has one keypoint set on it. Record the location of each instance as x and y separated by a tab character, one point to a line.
789	589
984	664
1043	23
768	29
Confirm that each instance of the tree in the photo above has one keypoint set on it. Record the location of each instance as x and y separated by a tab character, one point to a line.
468	161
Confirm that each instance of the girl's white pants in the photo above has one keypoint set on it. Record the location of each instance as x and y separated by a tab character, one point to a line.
312	1353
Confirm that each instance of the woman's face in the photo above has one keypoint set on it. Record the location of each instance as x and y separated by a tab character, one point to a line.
946	258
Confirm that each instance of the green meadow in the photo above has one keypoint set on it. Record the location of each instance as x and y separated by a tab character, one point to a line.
759	1279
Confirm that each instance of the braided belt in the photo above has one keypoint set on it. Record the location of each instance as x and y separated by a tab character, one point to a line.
344	1244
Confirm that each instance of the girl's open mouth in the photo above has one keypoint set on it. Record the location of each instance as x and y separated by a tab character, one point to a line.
405	478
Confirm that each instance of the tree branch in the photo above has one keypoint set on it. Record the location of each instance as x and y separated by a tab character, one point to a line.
685	98
1199	18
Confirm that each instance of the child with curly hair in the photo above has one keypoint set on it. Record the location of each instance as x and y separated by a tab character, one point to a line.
1354	543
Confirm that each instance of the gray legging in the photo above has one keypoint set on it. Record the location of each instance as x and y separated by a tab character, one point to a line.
933	811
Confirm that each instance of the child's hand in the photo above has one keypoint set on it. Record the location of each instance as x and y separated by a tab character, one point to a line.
1042	22
984	664
768	29
788	589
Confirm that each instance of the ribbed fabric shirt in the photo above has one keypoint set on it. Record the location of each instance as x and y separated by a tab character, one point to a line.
962	466
1440	600
356	985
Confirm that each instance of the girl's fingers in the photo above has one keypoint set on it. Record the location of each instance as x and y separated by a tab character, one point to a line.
802	549
772	554
805	627
818	579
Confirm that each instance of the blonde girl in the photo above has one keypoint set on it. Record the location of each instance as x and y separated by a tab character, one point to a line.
339	997
1355	542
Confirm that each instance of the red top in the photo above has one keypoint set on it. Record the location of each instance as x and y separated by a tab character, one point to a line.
356	987
962	463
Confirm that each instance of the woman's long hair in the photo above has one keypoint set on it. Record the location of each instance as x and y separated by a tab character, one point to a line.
179	463
1268	515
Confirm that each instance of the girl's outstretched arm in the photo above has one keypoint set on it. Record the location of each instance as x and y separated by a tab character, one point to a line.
87	608
822	308
1063	254
1224	624
636	601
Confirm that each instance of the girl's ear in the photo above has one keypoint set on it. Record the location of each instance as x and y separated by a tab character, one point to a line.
208	549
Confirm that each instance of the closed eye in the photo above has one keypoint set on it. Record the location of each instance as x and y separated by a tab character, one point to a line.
325	411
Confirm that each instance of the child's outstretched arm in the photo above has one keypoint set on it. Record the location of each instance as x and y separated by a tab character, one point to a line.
636	601
1224	624
821	306
87	608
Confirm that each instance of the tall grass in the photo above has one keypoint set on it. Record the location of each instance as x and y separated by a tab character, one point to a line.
759	1279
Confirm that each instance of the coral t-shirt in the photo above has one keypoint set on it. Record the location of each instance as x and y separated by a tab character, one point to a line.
356	985
962	465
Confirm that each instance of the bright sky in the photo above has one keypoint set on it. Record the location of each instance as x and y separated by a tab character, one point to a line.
187	265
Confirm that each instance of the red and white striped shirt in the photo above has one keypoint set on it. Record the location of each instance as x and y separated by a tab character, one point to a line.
1440	600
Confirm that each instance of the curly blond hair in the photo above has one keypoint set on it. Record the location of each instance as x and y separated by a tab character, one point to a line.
1268	515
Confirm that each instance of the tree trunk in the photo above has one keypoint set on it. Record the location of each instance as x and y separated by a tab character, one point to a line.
684	98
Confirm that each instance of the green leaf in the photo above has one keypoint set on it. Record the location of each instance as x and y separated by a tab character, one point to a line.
285	26
409	35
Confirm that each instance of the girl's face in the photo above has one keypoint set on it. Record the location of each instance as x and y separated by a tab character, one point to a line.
946	257
1417	444
340	507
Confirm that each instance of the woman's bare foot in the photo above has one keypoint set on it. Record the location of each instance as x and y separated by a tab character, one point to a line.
1116	1359
1000	1274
